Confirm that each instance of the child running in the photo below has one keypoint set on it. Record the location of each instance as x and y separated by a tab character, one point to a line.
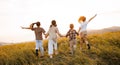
72	38
52	43
38	34
83	30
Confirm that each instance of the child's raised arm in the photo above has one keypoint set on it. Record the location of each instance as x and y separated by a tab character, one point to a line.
92	17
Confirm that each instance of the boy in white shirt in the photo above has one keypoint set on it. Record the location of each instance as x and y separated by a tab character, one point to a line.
83	30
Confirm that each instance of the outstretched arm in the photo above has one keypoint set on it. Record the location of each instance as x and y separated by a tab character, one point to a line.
57	31
25	27
60	35
92	17
31	26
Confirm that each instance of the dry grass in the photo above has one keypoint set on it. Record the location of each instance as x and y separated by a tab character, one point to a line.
105	51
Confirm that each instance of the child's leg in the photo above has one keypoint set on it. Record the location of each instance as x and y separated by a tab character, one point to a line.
71	46
50	48
55	47
41	47
37	47
82	40
74	44
81	43
86	41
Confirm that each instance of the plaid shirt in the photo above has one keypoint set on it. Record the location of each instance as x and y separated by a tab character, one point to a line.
72	34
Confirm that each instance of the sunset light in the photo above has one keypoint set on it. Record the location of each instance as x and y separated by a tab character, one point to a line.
17	13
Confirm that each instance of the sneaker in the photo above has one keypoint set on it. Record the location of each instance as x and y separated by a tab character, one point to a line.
71	53
36	52
88	46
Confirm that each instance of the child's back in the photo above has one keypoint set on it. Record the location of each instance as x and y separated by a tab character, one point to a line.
72	38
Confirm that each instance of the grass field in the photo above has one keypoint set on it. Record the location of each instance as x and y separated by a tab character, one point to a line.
105	50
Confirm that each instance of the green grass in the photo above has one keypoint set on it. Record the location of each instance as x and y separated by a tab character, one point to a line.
105	50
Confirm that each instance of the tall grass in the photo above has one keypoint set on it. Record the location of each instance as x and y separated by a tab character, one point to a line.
105	50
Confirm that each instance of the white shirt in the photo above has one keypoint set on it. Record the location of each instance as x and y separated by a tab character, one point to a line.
83	26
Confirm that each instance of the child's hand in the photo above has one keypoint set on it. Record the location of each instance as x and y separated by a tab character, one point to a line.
63	36
95	14
46	35
22	27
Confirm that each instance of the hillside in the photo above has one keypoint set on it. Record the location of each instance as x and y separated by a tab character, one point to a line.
105	50
110	29
2	43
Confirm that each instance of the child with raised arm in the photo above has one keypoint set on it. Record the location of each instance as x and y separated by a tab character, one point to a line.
72	38
52	43
38	34
83	30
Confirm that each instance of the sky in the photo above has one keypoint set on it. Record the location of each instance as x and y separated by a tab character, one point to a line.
17	13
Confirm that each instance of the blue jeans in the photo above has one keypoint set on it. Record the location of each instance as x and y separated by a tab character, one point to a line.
39	45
